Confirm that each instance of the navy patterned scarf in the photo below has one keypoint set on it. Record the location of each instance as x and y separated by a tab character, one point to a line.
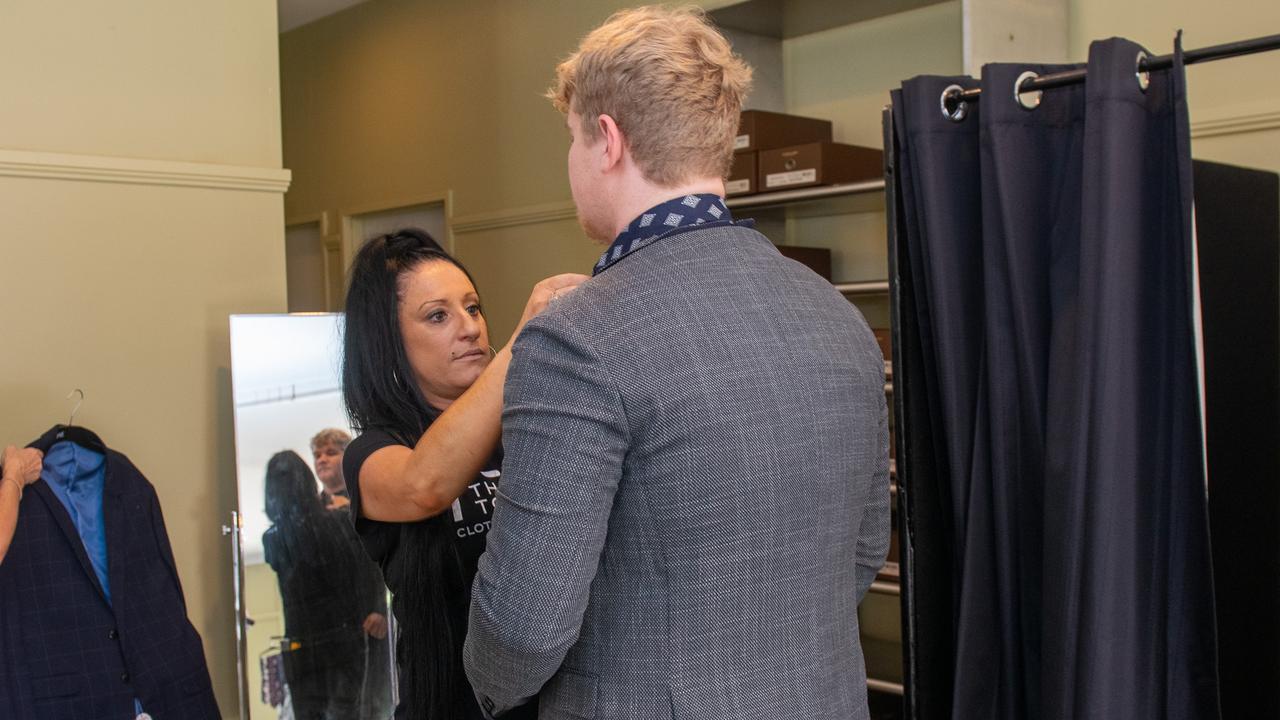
664	219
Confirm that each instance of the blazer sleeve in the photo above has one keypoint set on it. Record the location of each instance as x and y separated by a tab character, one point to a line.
564	437
162	542
873	532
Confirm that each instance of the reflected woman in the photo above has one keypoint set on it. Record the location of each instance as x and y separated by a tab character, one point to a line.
424	389
334	601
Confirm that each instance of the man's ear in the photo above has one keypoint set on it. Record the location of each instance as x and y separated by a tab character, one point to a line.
614	142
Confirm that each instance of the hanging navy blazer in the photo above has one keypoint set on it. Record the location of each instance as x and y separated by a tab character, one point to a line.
66	652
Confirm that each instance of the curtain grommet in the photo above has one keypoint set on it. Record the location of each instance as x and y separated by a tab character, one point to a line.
953	108
1144	78
1028	99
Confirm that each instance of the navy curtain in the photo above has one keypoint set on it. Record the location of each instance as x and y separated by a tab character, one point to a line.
1045	268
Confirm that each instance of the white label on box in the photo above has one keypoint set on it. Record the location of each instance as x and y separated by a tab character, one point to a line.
741	142
795	177
737	186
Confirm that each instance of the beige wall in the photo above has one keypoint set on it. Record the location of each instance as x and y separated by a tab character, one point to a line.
180	80
140	196
397	100
394	102
845	74
1235	109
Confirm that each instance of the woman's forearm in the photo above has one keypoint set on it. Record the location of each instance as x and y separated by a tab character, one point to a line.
10	494
398	485
460	441
407	486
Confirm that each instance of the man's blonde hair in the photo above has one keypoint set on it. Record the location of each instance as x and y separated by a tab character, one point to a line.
331	436
671	82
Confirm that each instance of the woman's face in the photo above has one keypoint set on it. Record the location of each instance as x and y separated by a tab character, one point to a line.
445	335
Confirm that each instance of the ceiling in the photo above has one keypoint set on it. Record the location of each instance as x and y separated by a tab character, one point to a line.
296	13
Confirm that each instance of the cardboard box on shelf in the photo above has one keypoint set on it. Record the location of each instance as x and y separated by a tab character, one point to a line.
884	338
823	163
742	176
763	130
816	258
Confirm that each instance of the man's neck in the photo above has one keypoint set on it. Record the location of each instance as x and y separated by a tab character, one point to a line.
646	195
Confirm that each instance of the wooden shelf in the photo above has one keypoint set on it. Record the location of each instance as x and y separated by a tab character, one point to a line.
866	287
885	686
790	197
880	587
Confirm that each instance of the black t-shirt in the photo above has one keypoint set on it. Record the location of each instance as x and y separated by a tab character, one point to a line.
470	517
470	513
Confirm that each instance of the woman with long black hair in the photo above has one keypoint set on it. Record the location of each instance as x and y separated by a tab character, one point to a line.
335	607
424	390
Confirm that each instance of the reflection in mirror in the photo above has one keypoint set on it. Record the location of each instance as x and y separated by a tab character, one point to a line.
319	634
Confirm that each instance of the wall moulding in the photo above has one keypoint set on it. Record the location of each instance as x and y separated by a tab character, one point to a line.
1236	124
137	171
552	212
565	210
530	215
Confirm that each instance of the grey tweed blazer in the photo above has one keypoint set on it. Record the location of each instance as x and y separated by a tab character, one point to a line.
694	498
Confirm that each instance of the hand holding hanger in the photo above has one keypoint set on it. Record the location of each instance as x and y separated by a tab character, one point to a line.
21	466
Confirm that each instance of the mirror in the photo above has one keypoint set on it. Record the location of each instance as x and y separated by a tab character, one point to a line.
319	635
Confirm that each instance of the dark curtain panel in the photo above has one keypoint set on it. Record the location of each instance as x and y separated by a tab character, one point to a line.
1049	256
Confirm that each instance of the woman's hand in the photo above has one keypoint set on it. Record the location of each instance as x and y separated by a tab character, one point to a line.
19	468
23	465
546	291
375	626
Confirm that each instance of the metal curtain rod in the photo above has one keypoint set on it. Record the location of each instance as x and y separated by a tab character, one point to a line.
1030	83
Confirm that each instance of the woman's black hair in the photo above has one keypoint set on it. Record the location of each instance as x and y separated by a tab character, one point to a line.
290	489
293	505
377	381
380	391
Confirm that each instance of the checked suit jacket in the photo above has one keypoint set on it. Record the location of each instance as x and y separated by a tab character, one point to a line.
68	654
694	498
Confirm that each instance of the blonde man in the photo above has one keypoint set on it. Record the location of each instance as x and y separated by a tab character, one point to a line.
695	489
327	449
